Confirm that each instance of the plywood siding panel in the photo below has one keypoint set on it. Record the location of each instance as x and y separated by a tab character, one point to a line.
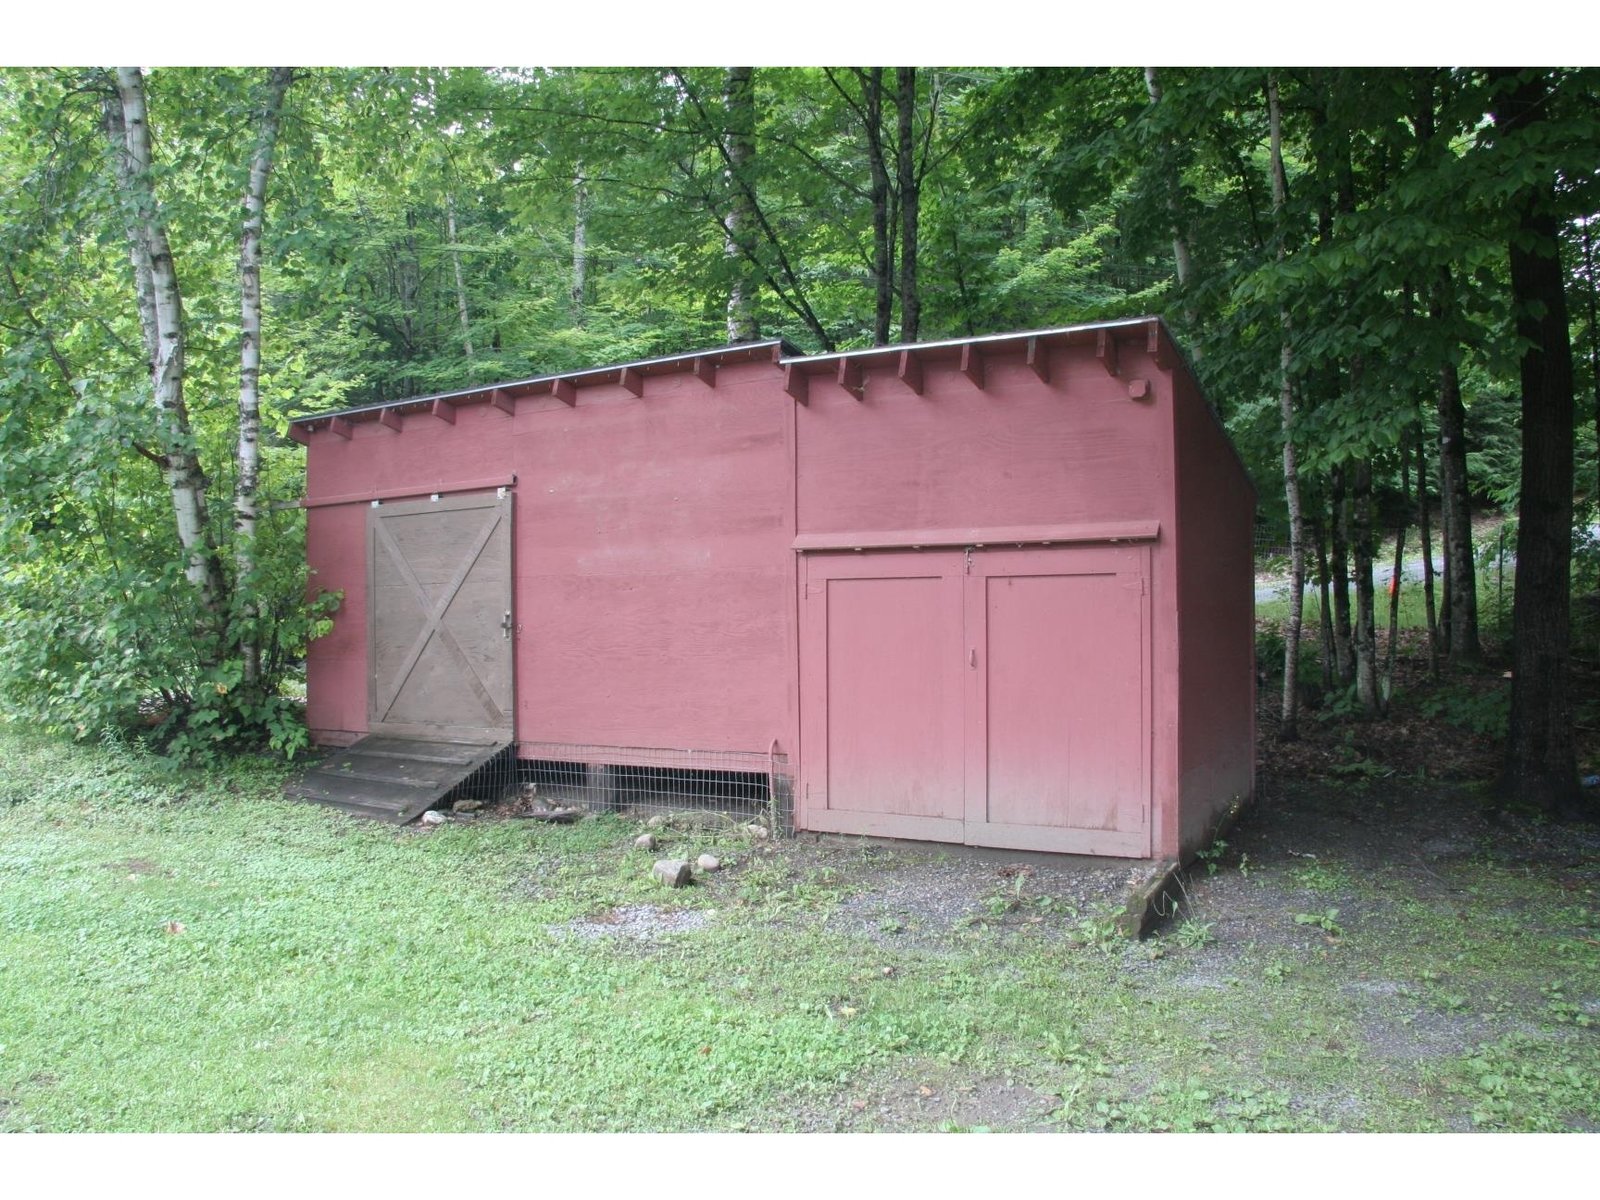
690	661
1020	451
423	456
1216	619
336	664
656	581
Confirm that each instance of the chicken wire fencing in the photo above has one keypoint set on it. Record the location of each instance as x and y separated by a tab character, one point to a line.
531	778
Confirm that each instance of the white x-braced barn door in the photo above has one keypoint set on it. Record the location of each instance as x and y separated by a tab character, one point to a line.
439	625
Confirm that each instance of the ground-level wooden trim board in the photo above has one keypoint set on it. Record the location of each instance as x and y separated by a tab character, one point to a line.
393	778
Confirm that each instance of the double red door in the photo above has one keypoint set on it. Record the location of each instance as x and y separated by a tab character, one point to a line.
992	697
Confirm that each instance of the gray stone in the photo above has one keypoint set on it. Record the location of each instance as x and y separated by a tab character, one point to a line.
758	832
657	821
673	872
708	862
466	806
645	841
433	817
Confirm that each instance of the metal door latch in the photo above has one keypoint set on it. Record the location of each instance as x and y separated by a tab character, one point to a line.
505	623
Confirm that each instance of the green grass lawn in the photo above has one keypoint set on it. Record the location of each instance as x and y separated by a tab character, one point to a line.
190	952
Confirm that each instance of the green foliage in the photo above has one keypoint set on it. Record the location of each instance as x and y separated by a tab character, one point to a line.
166	925
1326	920
1475	707
1047	196
1524	1083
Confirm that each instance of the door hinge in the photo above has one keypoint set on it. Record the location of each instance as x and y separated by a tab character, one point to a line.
967	569
505	623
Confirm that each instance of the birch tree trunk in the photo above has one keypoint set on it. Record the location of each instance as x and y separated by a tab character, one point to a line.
248	457
580	244
739	226
1181	262
144	287
461	284
152	252
910	182
1289	729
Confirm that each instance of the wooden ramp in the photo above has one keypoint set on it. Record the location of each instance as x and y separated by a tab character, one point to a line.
394	778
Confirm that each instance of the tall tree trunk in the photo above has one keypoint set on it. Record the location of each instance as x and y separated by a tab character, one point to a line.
910	181
1366	640
1343	647
1396	582
185	481
461	283
248	456
739	141
1455	508
1594	336
1425	534
1324	613
144	288
1541	756
1182	264
580	244
1291	479
882	232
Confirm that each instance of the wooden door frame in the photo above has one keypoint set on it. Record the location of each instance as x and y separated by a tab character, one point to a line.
500	500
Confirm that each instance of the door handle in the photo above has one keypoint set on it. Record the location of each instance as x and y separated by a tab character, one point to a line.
972	659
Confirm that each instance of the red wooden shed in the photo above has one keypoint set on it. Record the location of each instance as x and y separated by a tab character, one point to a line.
995	591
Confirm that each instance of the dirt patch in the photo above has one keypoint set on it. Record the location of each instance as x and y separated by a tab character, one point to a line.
634	922
926	1097
133	867
901	897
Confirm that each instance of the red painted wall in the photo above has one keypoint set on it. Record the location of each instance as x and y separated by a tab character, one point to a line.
657	584
654	575
652	543
1022	451
1216	619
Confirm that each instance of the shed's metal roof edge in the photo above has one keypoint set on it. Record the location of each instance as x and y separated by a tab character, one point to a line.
984	339
788	355
783	346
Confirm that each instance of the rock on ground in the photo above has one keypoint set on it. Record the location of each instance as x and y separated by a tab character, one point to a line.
674	872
